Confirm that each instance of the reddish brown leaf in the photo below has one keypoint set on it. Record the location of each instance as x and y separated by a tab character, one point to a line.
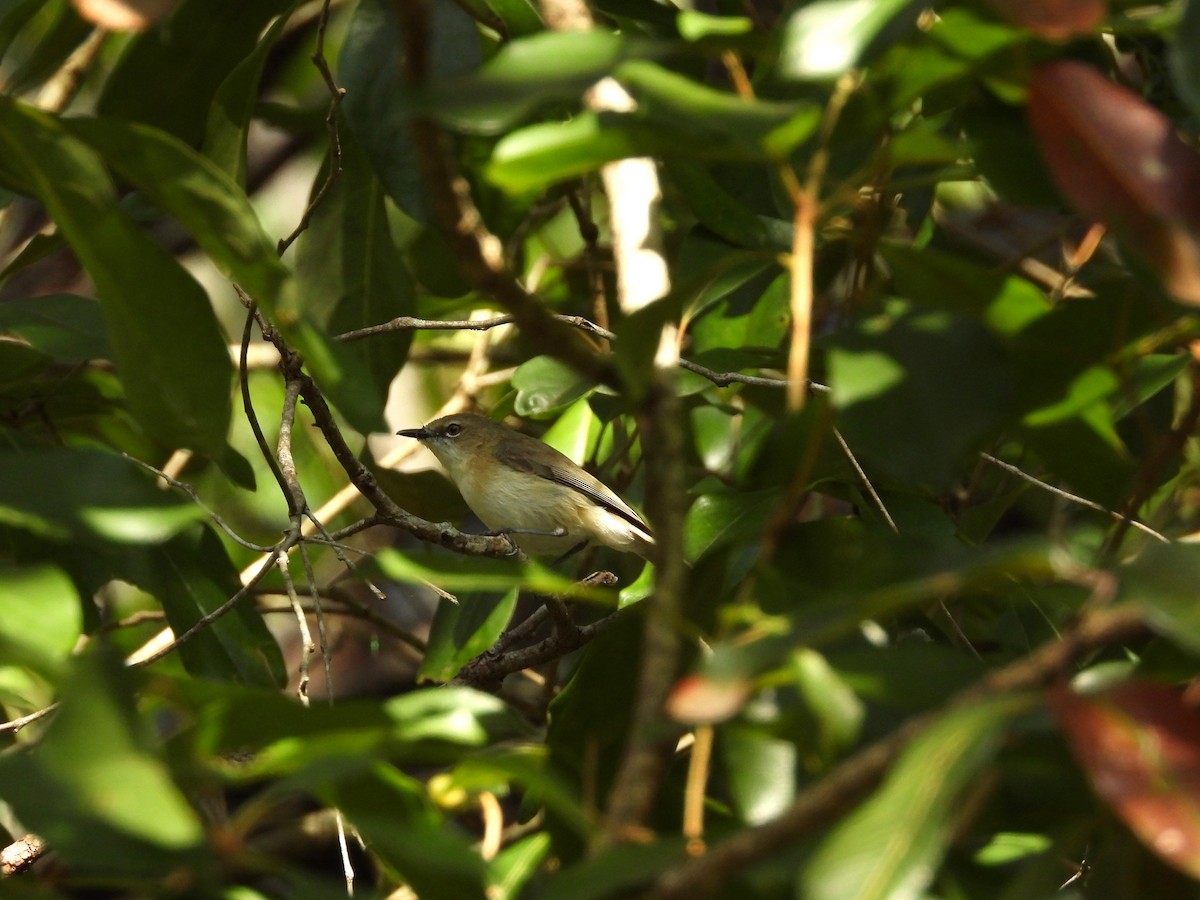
1140	746
1055	20
1120	162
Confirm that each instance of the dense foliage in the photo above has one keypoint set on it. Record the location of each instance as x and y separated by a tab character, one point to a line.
882	311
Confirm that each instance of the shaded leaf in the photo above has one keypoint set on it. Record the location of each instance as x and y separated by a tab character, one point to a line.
67	327
377	100
1163	579
167	76
1185	64
170	352
1121	162
462	631
1140	746
93	788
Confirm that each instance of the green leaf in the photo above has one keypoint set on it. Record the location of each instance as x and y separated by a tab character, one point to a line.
826	38
523	75
88	496
1159	578
761	769
454	572
94	789
171	354
377	104
898	408
40	617
890	847
515	865
462	631
233	105
190	576
348	259
716	520
545	386
167	76
66	327
1185	67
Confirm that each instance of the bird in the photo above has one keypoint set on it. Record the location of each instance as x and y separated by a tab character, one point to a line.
524	488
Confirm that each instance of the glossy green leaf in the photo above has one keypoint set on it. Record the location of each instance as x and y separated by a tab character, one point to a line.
191	575
462	631
545	386
168	347
377	105
890	846
168	76
89	496
515	865
716	520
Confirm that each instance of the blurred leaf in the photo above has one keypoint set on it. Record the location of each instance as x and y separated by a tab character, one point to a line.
191	575
171	354
93	789
167	77
453	572
40	617
67	327
890	846
377	105
707	698
619	872
827	38
836	709
526	766
88	496
695	26
1162	578
1007	847
348	260
761	769
19	362
233	105
1054	20
1185	66
123	15
462	631
1140	746
1121	162
515	865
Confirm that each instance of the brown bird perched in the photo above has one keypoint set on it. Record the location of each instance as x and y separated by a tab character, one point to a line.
520	486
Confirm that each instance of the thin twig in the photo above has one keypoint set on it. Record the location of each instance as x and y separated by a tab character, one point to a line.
307	646
1073	498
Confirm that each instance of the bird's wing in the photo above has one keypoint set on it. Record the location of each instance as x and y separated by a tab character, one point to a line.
591	488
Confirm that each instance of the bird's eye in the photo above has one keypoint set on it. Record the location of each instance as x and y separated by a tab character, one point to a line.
453	429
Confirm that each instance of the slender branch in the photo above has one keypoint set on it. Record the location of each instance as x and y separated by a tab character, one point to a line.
336	94
828	798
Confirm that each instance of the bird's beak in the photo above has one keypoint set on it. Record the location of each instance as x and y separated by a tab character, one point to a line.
419	433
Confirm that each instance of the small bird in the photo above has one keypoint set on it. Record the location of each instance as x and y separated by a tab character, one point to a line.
519	486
